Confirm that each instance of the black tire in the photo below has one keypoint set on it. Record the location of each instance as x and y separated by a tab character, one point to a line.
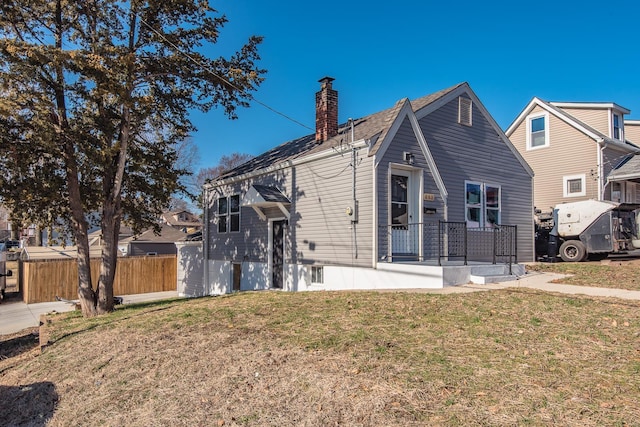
573	251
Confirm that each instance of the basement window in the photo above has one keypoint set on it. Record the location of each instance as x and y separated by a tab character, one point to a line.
317	275
465	110
574	186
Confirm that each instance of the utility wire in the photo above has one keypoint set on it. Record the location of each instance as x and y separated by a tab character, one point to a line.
250	96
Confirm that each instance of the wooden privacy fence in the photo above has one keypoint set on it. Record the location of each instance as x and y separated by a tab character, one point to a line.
43	280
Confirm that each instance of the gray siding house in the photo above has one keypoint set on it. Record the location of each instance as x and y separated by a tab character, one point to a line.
373	203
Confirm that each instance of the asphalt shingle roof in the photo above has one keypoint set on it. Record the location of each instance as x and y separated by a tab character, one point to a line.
374	126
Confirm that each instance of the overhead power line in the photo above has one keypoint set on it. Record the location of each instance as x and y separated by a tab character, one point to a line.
215	74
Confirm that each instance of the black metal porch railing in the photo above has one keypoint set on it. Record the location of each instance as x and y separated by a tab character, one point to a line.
446	240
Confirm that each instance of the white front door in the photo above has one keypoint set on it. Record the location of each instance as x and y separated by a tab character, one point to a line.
404	226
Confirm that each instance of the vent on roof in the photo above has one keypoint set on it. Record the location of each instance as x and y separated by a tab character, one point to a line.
465	108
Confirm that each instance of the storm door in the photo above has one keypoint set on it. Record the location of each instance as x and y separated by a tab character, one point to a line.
277	264
404	231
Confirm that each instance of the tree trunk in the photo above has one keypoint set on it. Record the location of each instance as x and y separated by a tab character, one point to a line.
110	231
86	294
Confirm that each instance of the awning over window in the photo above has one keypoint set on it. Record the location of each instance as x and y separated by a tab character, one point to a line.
260	197
628	170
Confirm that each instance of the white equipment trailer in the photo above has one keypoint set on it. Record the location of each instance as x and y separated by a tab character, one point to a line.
591	228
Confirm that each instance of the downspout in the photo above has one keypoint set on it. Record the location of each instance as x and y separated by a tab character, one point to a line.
354	159
375	225
602	144
205	240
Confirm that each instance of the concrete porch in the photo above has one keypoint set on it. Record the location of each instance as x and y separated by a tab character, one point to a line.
451	273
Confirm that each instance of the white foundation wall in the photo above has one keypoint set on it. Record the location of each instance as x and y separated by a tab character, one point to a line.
219	275
255	277
190	270
358	278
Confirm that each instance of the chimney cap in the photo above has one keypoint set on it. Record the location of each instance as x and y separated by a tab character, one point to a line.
326	79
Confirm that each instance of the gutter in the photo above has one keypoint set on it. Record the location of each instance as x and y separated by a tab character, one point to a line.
205	239
284	165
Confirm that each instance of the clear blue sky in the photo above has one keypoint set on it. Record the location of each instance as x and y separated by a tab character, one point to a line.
382	51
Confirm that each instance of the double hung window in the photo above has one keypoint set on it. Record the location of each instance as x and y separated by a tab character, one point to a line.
616	127
229	214
537	131
482	204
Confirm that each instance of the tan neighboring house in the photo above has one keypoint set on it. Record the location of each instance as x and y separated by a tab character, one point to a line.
632	131
572	148
182	220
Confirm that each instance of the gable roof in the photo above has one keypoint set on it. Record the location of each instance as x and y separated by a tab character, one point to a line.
372	128
167	234
554	108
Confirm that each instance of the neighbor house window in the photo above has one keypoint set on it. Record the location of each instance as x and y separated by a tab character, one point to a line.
574	185
465	109
317	275
537	131
229	214
616	127
482	204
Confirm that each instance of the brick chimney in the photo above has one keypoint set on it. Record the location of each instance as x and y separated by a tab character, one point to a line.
326	110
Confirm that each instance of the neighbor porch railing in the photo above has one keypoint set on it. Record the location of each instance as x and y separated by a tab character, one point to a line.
444	240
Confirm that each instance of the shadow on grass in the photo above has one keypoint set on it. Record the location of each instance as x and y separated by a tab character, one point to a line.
23	342
29	404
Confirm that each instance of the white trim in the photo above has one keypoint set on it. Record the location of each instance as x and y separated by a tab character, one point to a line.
583	184
426	152
407	111
483	202
591	105
570	120
561	115
531	117
374	224
205	240
613	115
261	214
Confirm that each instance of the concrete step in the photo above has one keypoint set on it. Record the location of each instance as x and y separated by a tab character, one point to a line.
484	279
497	269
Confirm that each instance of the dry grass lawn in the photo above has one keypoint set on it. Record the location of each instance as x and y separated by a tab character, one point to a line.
612	273
511	357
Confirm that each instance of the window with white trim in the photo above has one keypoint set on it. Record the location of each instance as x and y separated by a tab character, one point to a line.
617	132
317	274
574	185
465	110
482	204
537	131
228	214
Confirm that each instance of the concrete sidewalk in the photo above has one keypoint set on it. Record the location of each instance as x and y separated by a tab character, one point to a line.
541	281
534	280
16	315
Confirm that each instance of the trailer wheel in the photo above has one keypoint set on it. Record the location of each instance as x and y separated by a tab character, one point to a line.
573	251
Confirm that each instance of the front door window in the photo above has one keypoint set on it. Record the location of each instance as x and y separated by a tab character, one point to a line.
399	200
277	277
